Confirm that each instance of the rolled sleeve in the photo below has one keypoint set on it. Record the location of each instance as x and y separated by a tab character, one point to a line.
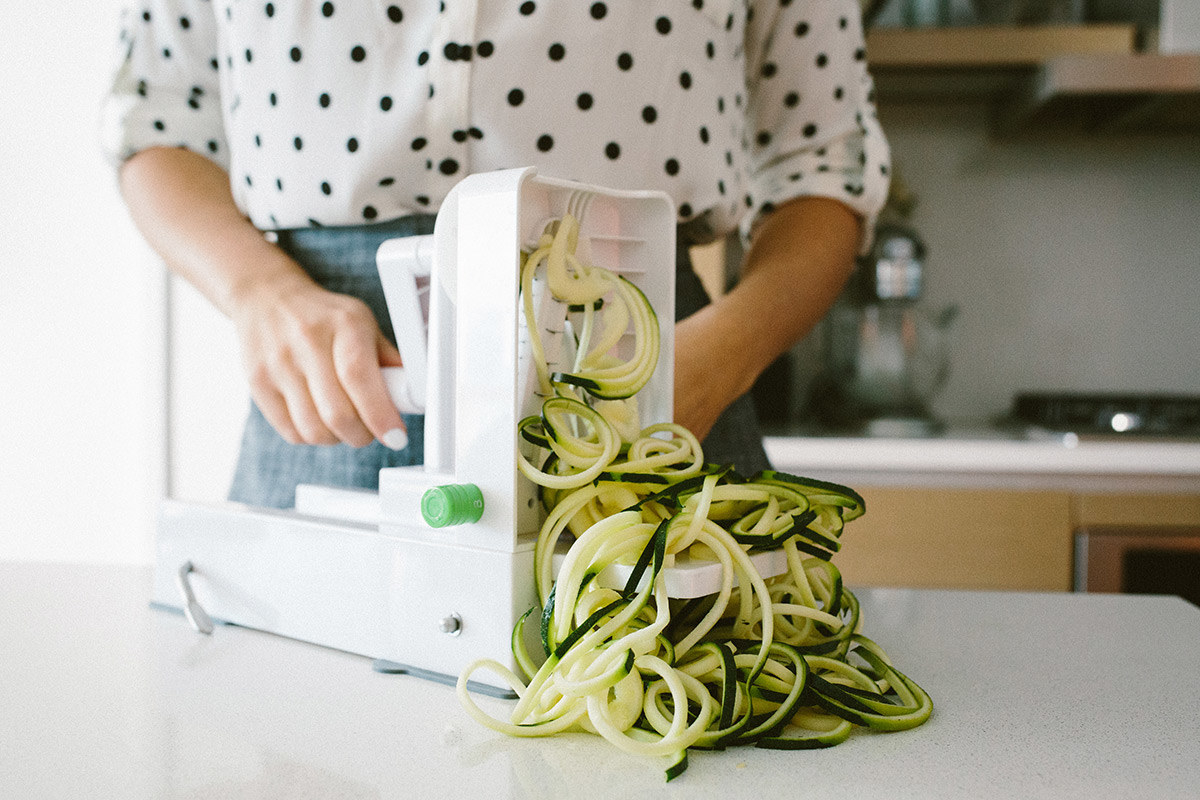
165	90
813	127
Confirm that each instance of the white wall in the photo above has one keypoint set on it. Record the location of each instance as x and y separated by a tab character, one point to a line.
81	465
1075	258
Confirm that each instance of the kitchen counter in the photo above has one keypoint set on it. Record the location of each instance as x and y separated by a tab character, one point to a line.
1036	696
986	457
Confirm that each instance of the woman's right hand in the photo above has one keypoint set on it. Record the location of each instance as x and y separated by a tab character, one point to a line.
313	358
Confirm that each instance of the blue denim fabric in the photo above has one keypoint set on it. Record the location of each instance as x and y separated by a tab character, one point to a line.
343	260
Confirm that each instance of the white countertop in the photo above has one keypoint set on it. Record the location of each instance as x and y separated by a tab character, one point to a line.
1036	696
981	457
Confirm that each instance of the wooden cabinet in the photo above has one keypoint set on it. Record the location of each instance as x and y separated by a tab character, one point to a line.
959	538
988	538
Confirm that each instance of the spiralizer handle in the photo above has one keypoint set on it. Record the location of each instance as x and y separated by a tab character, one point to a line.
404	270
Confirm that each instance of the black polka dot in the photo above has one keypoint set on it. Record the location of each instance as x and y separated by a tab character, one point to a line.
801	29
159	125
839	93
273	99
662	25
710	50
369	212
185	23
418	143
249	55
298	143
459	136
545	142
791	99
685	210
385	103
671	166
649	114
270	9
213	146
448	166
612	150
768	70
516	97
279	184
395	14
528	8
327	9
485	49
326	189
598	10
295	54
474	133
386	181
358	53
625	61
324	100
763	138
584	101
685	80
822	60
352	144
810	130
422	199
557	52
704	135
422	57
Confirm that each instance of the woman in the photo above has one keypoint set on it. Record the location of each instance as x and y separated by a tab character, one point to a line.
265	149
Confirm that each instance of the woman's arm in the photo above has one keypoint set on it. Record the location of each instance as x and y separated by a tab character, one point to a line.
800	257
312	356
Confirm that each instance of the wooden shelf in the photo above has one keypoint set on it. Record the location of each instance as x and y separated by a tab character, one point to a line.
1088	77
993	46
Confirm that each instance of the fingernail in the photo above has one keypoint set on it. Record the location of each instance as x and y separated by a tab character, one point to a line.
396	439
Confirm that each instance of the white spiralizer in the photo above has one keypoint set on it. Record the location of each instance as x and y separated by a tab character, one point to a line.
432	571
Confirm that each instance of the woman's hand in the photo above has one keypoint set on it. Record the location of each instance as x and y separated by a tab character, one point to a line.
799	259
313	358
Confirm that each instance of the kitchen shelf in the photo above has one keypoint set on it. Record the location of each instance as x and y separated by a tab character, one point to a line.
992	45
1088	77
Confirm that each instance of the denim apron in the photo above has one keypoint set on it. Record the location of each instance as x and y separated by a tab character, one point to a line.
342	260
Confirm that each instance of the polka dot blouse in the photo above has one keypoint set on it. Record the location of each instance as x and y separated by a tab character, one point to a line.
350	111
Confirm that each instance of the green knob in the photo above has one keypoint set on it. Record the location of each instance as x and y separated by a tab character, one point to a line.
452	504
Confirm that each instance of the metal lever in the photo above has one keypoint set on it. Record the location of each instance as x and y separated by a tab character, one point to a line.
195	614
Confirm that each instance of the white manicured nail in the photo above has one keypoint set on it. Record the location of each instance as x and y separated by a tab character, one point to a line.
396	439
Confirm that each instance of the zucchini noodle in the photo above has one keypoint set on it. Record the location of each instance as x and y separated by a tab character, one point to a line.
776	662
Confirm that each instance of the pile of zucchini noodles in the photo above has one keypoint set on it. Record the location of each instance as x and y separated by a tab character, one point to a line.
777	662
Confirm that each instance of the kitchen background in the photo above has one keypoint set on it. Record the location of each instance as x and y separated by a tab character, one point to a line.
1074	257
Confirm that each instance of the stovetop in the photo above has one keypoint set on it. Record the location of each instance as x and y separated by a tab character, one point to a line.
1153	415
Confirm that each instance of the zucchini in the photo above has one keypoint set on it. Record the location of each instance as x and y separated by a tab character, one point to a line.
778	664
